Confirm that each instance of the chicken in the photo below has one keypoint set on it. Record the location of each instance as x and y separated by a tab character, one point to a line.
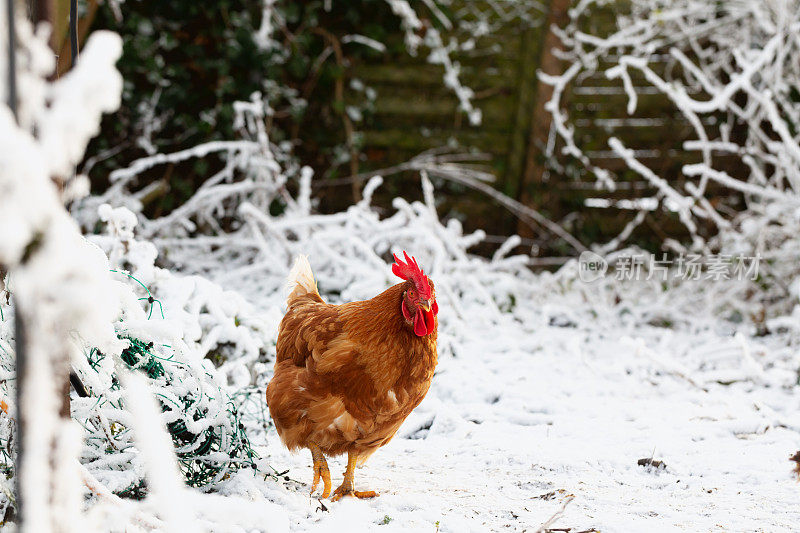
346	376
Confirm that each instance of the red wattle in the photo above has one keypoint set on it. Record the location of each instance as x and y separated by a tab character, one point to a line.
429	320
419	325
435	308
424	323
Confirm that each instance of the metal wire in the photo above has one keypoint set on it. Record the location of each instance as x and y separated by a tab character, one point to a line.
199	454
19	333
12	59
73	30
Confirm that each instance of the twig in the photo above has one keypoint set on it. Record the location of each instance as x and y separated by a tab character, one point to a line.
102	492
527	214
446	166
550	521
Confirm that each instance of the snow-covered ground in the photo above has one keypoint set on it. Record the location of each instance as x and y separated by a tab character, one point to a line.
523	417
547	388
548	392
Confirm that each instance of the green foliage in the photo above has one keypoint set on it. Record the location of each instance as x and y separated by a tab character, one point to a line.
185	63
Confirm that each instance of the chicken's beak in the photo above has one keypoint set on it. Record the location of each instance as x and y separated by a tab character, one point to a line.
425	305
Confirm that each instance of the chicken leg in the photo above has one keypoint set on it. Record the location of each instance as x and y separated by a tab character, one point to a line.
347	488
320	470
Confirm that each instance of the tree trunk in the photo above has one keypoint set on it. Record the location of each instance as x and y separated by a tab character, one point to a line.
533	187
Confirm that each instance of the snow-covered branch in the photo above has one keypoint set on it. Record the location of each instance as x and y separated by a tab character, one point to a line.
732	75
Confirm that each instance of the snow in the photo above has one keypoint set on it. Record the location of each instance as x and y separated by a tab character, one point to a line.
523	417
557	391
548	391
547	387
548	394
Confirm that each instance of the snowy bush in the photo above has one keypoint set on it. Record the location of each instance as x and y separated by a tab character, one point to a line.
732	74
72	309
185	324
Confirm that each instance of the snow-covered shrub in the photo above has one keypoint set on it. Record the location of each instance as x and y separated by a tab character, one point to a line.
200	325
201	417
732	74
215	323
72	306
174	330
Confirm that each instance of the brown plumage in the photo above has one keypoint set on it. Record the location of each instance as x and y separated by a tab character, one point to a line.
346	376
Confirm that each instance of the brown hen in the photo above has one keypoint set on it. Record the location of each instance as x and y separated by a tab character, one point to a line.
346	376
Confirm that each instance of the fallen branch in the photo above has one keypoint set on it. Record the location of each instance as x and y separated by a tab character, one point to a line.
550	521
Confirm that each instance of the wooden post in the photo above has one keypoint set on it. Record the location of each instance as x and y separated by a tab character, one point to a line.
533	191
62	41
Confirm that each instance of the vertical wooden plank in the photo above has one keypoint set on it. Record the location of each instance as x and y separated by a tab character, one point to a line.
530	54
61	39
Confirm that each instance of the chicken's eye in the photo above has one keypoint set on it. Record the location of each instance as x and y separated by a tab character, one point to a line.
411	293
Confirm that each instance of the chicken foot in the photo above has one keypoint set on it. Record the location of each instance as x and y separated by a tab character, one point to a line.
320	470
347	488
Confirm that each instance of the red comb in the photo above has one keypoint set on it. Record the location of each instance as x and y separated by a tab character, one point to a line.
410	270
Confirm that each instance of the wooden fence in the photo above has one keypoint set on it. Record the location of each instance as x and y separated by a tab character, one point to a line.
414	112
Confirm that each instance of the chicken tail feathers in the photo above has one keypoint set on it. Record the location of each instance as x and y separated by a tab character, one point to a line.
301	280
